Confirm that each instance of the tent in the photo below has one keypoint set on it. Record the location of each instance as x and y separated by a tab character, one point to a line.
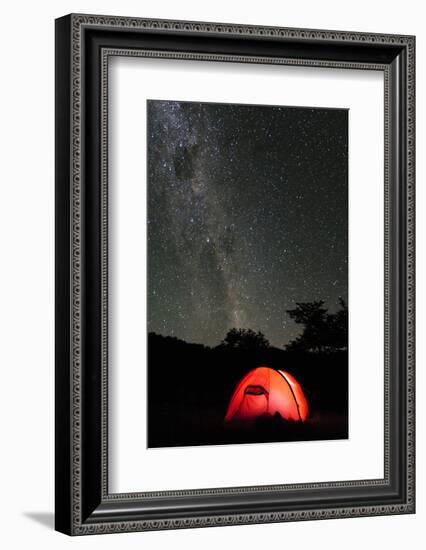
266	391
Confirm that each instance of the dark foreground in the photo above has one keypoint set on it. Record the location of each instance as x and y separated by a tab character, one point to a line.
190	385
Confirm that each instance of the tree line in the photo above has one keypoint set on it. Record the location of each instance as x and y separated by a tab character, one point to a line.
322	331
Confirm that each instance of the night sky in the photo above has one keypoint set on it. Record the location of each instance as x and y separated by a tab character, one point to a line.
247	214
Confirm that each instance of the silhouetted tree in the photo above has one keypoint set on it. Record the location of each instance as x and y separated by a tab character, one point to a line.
338	327
322	331
312	315
242	338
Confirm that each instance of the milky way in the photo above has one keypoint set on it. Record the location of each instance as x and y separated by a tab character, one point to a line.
247	214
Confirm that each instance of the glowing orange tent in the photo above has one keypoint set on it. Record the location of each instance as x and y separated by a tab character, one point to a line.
266	391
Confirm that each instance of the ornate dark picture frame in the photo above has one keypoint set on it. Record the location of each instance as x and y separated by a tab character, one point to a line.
84	44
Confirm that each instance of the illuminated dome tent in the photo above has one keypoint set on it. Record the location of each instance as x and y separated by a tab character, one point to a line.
266	391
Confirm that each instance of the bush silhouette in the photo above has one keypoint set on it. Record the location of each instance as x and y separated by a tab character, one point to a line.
245	339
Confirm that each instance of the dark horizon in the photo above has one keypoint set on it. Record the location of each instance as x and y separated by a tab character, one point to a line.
281	347
247	214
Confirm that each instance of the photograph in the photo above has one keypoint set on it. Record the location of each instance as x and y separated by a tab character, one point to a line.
247	273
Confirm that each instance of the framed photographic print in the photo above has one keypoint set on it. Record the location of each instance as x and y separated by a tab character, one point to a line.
234	274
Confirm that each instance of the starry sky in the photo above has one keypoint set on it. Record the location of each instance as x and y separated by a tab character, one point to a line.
247	215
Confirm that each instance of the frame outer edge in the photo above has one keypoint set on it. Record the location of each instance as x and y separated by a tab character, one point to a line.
63	496
77	253
411	270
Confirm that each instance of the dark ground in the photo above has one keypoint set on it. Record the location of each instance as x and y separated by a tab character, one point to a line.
190	385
